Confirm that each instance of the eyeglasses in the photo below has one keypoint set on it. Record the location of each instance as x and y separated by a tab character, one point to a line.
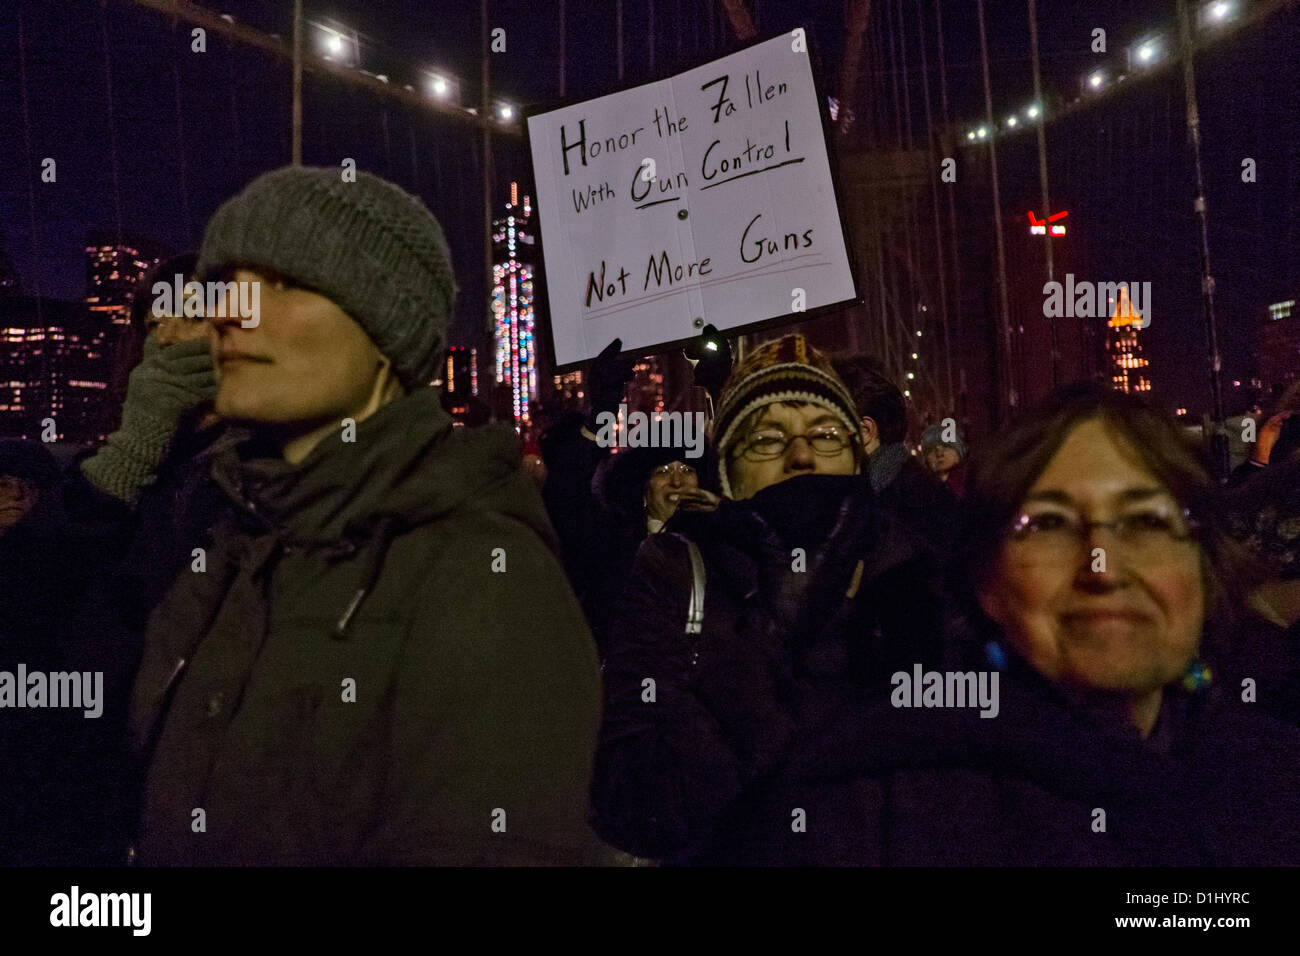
681	468
1146	535
770	443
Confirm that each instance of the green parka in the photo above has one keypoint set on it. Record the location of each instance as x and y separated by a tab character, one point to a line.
376	660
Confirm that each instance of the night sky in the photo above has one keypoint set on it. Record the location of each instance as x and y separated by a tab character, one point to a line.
185	131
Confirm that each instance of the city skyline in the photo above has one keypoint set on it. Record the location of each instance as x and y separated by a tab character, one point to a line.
182	132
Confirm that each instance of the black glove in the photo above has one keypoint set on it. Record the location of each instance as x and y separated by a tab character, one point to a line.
710	355
608	376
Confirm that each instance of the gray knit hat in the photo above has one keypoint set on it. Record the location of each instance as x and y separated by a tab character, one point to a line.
368	246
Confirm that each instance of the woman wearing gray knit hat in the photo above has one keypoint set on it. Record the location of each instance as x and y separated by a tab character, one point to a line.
376	659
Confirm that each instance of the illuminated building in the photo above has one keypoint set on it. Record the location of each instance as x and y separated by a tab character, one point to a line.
1277	346
460	377
1124	348
460	383
646	390
54	364
113	269
513	242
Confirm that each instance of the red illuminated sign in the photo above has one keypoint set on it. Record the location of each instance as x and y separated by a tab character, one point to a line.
1039	227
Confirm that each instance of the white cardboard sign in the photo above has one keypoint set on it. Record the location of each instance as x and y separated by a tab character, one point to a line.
704	198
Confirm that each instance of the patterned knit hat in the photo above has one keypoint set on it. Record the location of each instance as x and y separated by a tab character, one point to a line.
786	370
374	250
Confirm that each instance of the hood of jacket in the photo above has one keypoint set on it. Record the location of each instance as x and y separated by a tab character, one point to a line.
406	467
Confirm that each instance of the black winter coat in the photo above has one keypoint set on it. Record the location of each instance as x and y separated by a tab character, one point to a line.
924	503
787	573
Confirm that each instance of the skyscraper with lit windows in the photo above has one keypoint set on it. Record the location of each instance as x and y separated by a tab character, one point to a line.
513	248
1124	348
113	270
54	367
1276	348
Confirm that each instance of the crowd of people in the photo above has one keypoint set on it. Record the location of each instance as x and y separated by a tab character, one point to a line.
334	629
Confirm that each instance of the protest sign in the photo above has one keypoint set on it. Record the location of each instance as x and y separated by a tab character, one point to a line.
703	198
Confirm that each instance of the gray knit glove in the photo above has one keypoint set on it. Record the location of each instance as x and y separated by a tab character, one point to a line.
170	381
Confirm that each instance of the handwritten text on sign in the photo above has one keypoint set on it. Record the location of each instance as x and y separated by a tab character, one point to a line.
705	196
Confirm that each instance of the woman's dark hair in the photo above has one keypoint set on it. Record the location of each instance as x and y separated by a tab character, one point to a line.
1003	473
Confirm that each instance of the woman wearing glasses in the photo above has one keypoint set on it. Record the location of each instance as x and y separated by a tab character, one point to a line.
1095	555
742	626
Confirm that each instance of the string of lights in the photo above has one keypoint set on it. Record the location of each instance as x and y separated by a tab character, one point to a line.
1151	50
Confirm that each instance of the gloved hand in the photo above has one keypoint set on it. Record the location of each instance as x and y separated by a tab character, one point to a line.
170	381
606	380
710	356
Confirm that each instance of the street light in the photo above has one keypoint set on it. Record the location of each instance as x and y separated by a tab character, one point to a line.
970	135
1032	112
1215	14
982	132
1011	121
337	45
506	112
1096	80
1146	52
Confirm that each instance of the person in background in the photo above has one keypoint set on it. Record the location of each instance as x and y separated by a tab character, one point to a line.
36	582
604	504
1282	428
945	458
27	472
115	528
669	486
634	496
752	621
1264	515
904	485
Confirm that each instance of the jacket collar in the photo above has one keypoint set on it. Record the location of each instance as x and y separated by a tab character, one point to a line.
342	488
